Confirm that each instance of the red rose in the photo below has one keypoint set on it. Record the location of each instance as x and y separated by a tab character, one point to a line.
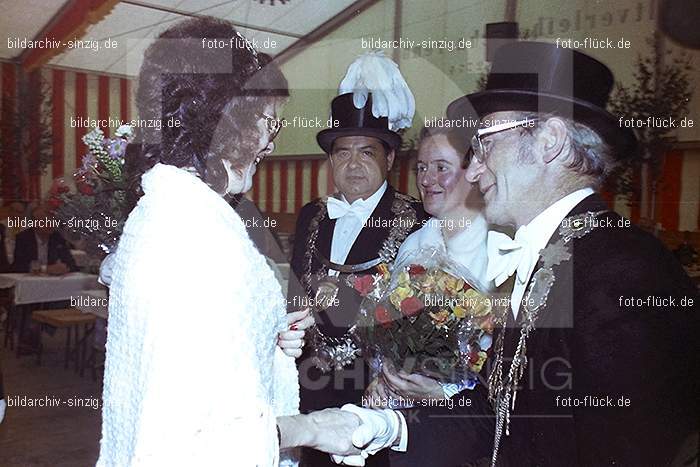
54	203
364	284
411	306
382	316
415	270
85	188
59	187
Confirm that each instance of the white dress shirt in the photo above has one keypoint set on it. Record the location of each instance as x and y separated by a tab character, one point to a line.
538	232
348	227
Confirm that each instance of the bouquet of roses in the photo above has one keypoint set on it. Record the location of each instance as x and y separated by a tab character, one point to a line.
428	316
96	209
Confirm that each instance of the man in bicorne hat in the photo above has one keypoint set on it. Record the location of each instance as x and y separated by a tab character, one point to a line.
600	340
348	233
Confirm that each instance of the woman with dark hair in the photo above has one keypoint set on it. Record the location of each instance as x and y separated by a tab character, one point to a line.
193	374
457	228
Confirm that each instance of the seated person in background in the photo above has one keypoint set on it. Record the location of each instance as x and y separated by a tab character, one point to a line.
43	244
4	264
686	254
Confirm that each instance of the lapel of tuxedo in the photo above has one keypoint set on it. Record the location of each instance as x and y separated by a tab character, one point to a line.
593	203
558	312
325	235
370	239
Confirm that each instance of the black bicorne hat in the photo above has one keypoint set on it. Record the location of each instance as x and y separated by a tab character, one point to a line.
542	77
356	122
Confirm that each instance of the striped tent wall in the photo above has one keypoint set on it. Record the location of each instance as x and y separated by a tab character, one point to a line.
70	96
282	184
677	200
8	91
77	96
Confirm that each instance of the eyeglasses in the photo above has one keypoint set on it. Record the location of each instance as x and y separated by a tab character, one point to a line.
480	151
274	124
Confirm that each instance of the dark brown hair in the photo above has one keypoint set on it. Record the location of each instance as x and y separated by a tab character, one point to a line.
207	100
458	138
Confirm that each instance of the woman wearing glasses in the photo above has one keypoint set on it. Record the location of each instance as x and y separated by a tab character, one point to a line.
194	374
456	227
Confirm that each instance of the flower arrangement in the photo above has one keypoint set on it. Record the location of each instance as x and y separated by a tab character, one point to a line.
96	209
428	316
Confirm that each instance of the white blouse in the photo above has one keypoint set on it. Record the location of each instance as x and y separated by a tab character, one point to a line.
193	375
467	247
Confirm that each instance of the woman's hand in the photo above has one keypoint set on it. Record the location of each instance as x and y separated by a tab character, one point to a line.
413	386
292	340
327	430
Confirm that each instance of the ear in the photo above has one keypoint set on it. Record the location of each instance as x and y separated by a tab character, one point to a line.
552	139
390	160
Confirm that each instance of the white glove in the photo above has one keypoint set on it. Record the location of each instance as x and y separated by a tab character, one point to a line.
357	460
379	428
3	404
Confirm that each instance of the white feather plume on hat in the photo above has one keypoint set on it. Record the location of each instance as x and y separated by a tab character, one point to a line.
391	97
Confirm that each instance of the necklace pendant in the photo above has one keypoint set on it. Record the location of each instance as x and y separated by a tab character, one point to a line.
326	293
541	284
555	254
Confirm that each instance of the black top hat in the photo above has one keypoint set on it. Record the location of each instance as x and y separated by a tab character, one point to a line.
542	77
356	122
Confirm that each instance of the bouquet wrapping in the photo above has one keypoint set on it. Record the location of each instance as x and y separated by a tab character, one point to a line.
95	210
428	315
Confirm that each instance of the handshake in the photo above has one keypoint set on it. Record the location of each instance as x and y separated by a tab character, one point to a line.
350	434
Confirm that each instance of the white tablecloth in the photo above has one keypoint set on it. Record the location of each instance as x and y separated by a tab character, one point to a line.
94	302
32	288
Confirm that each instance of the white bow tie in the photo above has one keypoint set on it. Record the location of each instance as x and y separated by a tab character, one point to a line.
338	208
506	256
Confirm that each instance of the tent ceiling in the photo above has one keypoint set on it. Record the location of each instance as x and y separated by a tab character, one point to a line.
24	19
134	24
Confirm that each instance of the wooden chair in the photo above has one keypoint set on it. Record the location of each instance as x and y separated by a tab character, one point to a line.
71	320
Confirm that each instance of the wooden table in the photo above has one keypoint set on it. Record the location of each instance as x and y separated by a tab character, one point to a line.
27	292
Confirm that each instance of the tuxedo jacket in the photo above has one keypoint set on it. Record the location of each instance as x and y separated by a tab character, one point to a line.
612	375
320	390
26	251
337	388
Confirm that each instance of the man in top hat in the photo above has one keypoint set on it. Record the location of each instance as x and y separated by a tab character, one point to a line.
598	340
349	233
